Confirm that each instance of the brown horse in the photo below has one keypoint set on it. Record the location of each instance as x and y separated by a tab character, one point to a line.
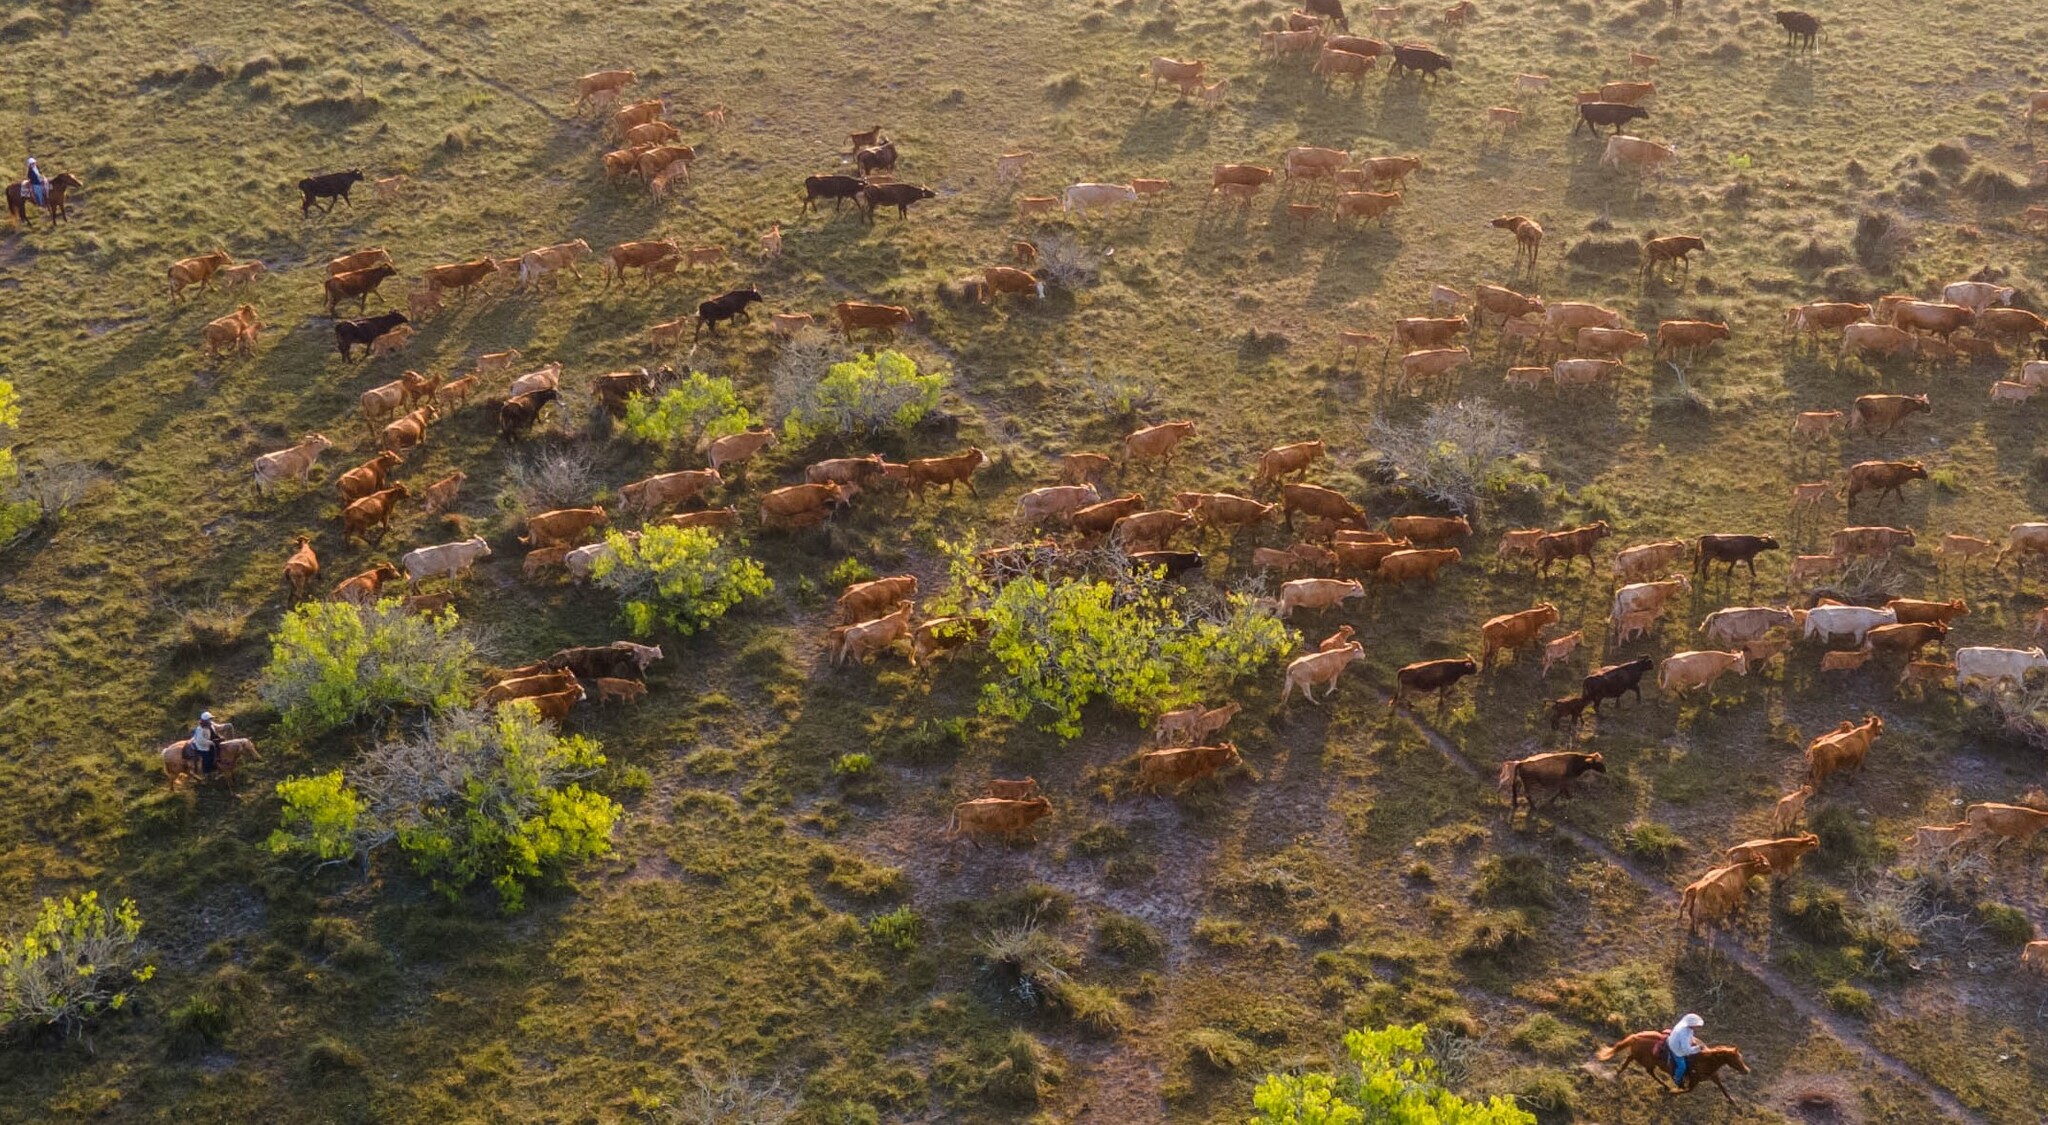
18	197
1642	1049
181	761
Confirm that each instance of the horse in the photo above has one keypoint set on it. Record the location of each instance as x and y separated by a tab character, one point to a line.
1644	1049
181	761
54	188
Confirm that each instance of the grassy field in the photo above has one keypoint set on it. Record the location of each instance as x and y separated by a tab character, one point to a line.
1352	874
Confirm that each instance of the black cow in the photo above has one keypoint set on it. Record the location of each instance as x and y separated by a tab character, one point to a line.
1801	29
1332	10
901	196
875	158
519	412
329	186
1732	549
1612	682
1174	563
1570	707
726	306
1617	114
1439	676
838	189
350	334
1557	771
1425	61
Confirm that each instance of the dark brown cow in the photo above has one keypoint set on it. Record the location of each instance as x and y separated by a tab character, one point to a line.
1733	550
1886	478
1569	545
1523	777
356	285
1439	676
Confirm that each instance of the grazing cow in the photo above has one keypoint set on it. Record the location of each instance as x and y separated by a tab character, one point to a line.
1870	541
1366	205
994	816
329	186
1511	631
1318	594
197	271
1833	619
450	560
1688	336
1182	766
1733	550
1886	478
1569	545
899	196
800	505
296	462
1997	665
854	315
563	527
362	589
1610	343
1719	893
1737	624
1685	671
1907	637
1438	676
1597	115
520	412
1639	562
864	640
1557	650
1306	672
351	334
302	567
1634	151
535	265
1421	60
1801	29
1613	682
997	280
2007	822
1156	443
1523	777
1843	748
734	449
1085	197
1528	237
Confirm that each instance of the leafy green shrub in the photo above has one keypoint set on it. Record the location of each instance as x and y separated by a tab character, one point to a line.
332	663
854	764
680	577
849	571
1653	842
1138	645
14	516
2008	924
475	798
1128	939
696	408
863	396
74	962
1846	841
1396	1082
899	930
200	1023
1850	1000
1513	880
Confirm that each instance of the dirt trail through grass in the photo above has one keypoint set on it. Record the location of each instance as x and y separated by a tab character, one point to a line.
1777	982
411	38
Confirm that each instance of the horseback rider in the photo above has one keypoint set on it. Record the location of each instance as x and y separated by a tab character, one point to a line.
1681	1046
38	187
206	740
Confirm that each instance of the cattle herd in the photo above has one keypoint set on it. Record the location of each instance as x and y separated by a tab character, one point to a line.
1333	555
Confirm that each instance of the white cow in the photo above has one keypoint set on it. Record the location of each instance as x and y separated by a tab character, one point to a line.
1997	664
1826	621
1083	197
1977	296
450	559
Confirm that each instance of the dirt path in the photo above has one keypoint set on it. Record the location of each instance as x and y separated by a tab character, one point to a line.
399	30
1756	966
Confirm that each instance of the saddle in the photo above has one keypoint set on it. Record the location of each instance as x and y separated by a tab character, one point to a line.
36	191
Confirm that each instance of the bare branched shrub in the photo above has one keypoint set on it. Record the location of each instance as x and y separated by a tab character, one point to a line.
731	1099
1865	580
1452	453
1892	916
1882	239
553	478
1118	394
804	361
53	486
1064	261
2022	712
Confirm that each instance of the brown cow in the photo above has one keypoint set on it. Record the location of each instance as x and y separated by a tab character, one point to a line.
1934	317
1100	519
355	285
864	600
367	477
1156	443
523	687
1908	638
1511	631
408	431
734	449
800	505
1912	610
1505	303
1843	748
994	816
1688	335
563	526
1401	566
301	568
1884	478
1012	790
1318	501
1276	463
197	271
371	511
667	490
854	315
440	495
1522	777
362	589
1570	545
1719	893
1428	530
1182	766
959	468
863	640
637	255
460	276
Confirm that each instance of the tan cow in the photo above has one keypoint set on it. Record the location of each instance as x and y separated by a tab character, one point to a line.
296	462
1176	72
863	640
1401	566
1638	597
1781	856
1276	463
1306	672
800	505
1182	766
544	263
864	600
1688	336
667	490
1318	594
2006	822
1719	893
1511	631
1557	650
1156	443
301	568
734	449
1610	343
198	271
1682	672
1637	153
1843	748
1193	724
1788	809
1637	563
236	330
1824	316
563	526
995	816
1431	363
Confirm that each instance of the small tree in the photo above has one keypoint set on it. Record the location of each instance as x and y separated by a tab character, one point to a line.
333	662
680	577
1455	451
863	396
75	961
696	408
474	798
1395	1083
